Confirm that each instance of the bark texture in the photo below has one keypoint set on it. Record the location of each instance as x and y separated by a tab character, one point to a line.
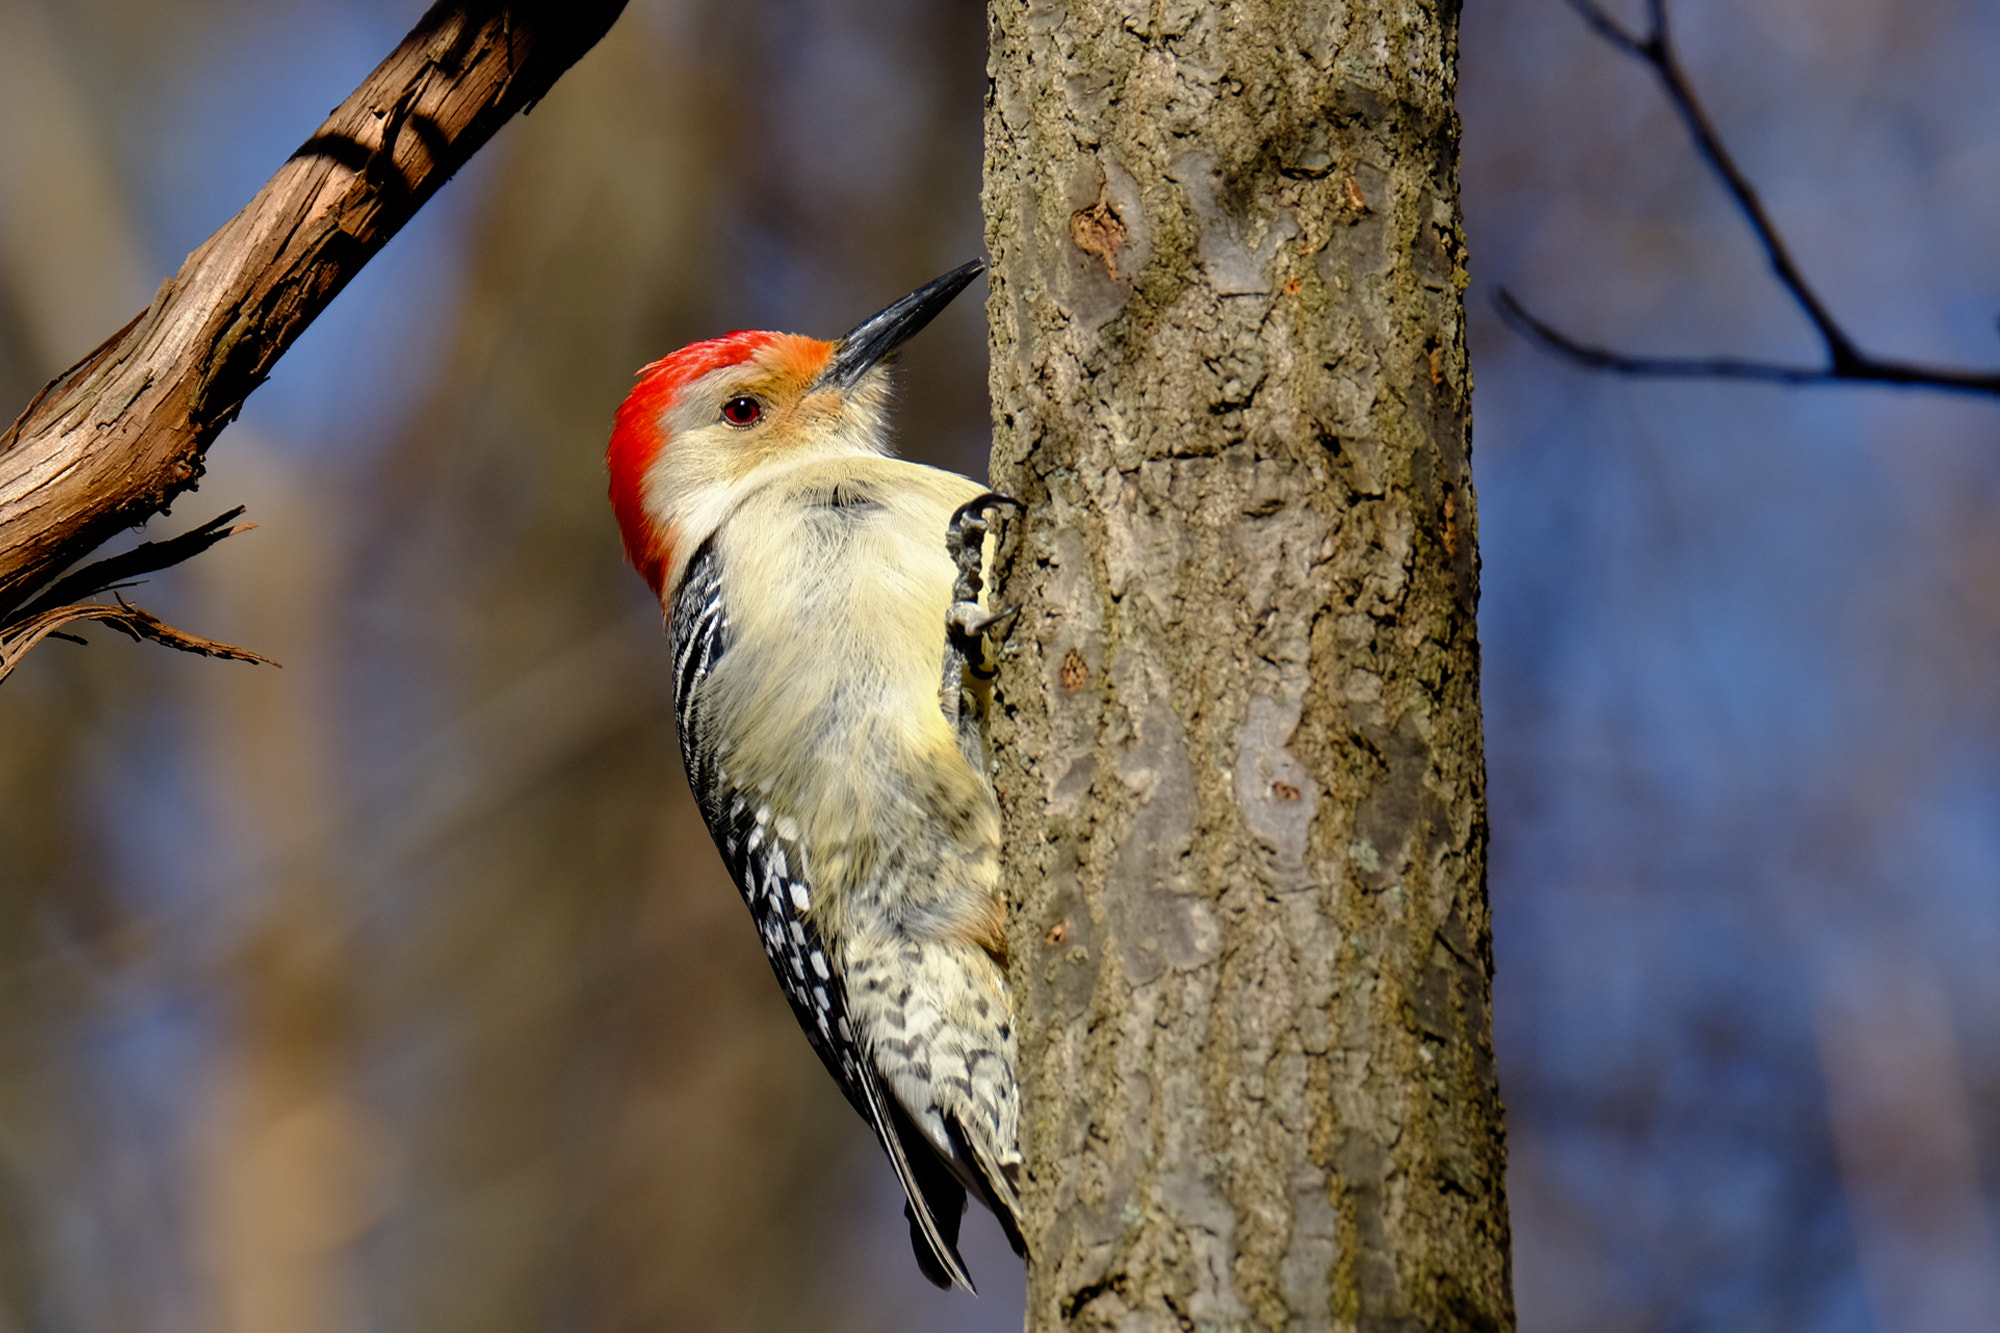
111	441
1239	746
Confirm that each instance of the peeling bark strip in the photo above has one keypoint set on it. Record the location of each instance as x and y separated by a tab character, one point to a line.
1239	746
138	622
111	441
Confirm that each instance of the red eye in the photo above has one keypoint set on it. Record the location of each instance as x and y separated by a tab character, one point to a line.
742	410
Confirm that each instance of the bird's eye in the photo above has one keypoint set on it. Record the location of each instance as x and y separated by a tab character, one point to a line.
742	410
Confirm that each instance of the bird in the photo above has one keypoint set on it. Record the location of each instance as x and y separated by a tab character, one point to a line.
832	653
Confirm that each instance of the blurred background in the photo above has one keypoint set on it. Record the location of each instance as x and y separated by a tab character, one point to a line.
400	988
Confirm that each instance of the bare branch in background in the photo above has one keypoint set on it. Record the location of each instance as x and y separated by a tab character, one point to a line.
1846	363
114	439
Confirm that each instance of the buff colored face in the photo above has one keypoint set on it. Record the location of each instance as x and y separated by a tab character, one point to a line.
771	407
713	414
717	416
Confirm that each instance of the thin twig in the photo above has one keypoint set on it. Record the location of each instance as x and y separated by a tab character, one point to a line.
1869	370
1846	363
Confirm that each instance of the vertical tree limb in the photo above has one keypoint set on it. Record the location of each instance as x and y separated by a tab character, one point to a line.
1239	741
111	441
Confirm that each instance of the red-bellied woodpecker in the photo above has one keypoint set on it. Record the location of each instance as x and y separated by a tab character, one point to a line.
830	654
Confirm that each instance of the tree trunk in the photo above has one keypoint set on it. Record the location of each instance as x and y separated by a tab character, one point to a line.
1239	739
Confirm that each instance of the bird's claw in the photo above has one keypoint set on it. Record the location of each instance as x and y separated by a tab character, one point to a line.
972	629
965	542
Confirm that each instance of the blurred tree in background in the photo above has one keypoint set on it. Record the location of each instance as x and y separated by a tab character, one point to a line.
398	989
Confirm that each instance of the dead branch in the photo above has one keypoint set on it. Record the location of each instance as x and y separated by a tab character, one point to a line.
1846	362
115	438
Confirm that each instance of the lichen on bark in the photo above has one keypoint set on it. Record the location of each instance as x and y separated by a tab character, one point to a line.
1238	742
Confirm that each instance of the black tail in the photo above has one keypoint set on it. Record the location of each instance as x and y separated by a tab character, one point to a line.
1001	1196
943	1196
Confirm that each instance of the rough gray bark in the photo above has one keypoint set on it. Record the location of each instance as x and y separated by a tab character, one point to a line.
1240	741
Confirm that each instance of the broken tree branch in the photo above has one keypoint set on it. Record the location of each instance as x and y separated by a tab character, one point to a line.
114	439
1846	362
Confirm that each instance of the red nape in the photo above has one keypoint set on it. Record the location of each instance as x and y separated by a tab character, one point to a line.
640	433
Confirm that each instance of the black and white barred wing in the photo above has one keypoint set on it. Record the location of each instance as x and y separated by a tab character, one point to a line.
771	873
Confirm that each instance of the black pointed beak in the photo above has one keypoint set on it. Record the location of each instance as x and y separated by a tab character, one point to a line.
877	336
